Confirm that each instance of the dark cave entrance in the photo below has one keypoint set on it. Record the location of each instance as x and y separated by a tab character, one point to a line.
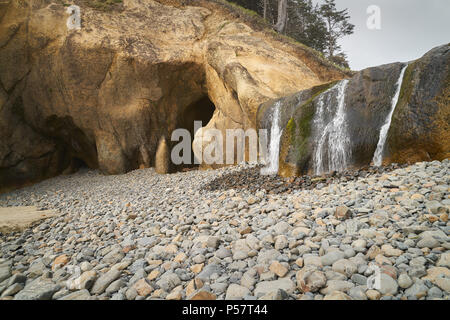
75	164
201	110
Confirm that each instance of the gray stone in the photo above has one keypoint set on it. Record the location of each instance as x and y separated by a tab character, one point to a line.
336	285
312	260
240	255
358	293
84	281
236	292
428	242
281	227
331	257
435	293
77	295
147	242
434	207
349	253
437	234
417	271
417	290
5	272
199	259
213	242
266	257
265	287
219	287
137	276
113	257
12	290
443	283
115	286
388	285
359	279
37	268
378	218
310	280
247	280
17	278
137	265
168	281
444	260
404	281
104	281
275	295
131	293
38	289
281	242
345	267
223	253
208	271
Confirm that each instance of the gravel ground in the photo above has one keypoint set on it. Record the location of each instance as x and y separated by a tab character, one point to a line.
377	234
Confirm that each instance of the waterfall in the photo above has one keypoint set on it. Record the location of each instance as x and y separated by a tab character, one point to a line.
274	145
378	156
332	148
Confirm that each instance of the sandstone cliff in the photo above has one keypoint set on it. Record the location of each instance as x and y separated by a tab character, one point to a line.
105	94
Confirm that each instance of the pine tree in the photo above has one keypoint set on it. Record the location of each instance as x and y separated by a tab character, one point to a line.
306	24
338	26
317	26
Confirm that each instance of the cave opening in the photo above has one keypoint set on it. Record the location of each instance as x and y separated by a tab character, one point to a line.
74	165
201	110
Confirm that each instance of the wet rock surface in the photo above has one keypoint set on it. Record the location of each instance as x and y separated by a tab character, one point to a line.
420	125
252	180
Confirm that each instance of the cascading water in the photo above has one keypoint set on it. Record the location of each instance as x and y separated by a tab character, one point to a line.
378	156
274	145
332	148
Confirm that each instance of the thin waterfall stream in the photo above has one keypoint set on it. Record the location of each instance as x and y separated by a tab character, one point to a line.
378	156
274	145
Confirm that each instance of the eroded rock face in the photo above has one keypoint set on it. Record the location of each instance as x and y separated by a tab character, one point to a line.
420	129
420	125
106	94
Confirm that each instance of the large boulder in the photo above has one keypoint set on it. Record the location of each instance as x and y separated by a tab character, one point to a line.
420	124
105	94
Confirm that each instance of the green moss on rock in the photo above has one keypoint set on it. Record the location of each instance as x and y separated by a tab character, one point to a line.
296	146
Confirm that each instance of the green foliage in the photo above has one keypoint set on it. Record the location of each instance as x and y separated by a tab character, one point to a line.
338	26
316	26
244	11
291	126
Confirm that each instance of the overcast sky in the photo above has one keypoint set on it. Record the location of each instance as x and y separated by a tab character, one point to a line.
409	28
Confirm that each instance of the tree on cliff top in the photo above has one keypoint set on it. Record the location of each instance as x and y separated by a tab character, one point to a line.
317	26
338	26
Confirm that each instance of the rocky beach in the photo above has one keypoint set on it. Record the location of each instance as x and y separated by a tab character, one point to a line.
223	150
191	235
